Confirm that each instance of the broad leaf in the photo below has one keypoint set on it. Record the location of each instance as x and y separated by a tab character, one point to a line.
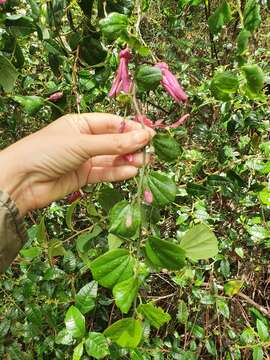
112	267
165	254
125	292
262	330
252	17
70	212
8	74
232	287
242	41
182	313
223	85
83	241
114	25
75	322
199	243
125	219
85	300
30	104
162	187
64	337
96	345
148	77
219	18
257	353
78	352
166	147
155	315
55	248
125	333
254	78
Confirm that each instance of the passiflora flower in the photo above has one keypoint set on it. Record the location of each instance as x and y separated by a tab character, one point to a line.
171	84
56	96
122	81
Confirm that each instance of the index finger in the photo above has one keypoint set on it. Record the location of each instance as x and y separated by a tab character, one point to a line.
102	123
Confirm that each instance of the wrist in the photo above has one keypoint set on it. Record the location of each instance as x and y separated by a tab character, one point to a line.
12	179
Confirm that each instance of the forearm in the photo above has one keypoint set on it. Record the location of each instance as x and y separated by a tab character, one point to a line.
12	232
12	179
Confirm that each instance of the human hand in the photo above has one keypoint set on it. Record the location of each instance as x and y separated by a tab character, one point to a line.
71	152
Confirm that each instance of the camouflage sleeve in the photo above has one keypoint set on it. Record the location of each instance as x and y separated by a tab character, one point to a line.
12	231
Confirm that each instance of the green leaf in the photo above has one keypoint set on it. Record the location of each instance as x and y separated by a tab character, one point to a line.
182	313
125	292
114	25
83	241
155	315
20	25
257	353
164	254
112	267
223	85
92	51
96	345
85	299
30	104
78	352
232	287
31	252
55	248
242	41
162	187
254	78
75	322
199	243
70	212
248	336
64	337
223	308
125	219
109	197
148	77
125	333
264	196
114	242
219	18
166	147
8	74
262	330
252	17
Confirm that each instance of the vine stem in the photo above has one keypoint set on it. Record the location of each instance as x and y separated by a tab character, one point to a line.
139	114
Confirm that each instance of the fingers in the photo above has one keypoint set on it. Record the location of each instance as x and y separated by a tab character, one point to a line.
115	160
111	174
101	123
115	144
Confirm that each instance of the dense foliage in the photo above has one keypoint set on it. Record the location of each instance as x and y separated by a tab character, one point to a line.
173	264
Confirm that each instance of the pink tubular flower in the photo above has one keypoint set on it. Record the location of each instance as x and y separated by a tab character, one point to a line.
56	96
171	84
122	81
73	197
148	196
145	120
159	123
2	2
